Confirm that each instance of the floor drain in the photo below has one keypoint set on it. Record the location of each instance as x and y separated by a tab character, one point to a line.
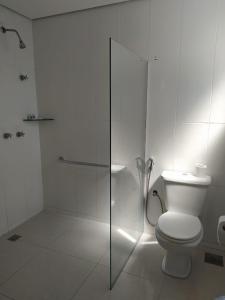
214	259
14	238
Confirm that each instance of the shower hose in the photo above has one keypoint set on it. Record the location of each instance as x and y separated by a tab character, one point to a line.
148	170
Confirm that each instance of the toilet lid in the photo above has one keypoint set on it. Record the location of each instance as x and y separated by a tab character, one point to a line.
180	226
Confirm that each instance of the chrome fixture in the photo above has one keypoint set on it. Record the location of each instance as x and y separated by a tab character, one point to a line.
23	77
82	163
21	43
140	164
7	135
20	134
156	58
148	171
31	117
149	166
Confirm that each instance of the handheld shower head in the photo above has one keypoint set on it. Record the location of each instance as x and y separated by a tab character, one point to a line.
21	43
149	165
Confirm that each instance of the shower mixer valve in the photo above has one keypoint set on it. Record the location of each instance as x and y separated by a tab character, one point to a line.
20	134
7	135
23	77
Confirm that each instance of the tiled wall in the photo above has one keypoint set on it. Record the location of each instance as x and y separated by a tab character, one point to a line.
20	161
72	65
186	112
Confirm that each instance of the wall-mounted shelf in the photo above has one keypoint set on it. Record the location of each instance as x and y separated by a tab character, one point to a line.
115	168
38	120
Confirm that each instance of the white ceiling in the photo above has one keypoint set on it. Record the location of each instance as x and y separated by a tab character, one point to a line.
34	9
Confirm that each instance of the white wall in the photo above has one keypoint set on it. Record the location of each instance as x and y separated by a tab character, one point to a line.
72	64
20	163
34	9
186	114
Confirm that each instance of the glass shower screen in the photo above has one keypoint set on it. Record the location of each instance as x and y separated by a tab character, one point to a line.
128	86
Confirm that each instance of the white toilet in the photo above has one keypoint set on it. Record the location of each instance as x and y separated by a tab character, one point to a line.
179	230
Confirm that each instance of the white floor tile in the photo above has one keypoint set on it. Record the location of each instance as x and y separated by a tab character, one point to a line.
29	272
13	255
146	261
105	259
44	228
50	276
176	289
146	258
127	287
88	240
208	281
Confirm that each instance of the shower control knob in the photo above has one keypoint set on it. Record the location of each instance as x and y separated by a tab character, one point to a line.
23	77
20	134
3	29
7	135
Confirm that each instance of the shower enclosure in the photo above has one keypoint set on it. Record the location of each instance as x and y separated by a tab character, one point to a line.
72	166
128	82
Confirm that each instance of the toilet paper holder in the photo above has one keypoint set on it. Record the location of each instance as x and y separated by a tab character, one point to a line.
221	231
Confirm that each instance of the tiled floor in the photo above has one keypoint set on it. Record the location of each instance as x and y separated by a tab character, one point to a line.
64	258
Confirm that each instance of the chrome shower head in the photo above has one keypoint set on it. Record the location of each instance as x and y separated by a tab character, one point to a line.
21	43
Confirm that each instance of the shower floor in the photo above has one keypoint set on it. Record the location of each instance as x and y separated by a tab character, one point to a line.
60	257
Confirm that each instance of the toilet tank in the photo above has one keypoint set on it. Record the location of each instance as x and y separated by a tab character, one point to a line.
185	192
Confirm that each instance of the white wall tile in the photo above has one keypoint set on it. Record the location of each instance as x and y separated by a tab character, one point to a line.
3	215
218	103
102	137
21	180
86	191
216	150
190	146
186	94
199	28
103	196
73	85
133	27
163	81
103	25
66	188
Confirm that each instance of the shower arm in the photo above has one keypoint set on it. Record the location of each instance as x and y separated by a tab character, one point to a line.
4	30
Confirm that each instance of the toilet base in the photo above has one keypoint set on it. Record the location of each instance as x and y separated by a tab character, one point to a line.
176	265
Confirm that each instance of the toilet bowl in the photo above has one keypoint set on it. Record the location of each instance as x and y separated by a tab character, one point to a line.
179	231
178	234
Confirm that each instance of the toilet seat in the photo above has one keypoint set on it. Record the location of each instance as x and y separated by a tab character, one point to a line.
179	227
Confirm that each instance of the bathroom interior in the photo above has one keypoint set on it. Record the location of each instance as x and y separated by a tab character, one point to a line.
112	142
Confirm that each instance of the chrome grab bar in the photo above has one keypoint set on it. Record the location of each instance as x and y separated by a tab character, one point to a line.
82	163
